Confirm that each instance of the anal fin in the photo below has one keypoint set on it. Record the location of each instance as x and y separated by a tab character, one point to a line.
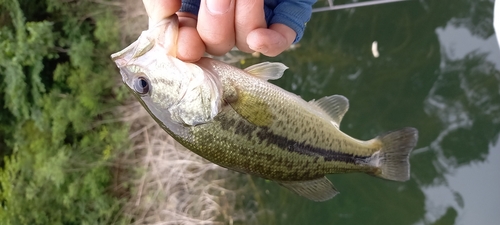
318	190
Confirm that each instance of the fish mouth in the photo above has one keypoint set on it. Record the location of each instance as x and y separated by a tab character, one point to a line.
161	37
163	34
127	76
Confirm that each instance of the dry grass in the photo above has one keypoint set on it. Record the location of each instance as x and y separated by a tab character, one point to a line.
167	183
163	182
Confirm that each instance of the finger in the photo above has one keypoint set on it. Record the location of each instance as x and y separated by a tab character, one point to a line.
160	9
272	41
249	15
216	25
190	47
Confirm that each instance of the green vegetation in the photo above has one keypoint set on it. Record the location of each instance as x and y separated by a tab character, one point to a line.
58	89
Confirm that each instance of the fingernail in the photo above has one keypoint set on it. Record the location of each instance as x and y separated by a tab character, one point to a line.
218	6
262	49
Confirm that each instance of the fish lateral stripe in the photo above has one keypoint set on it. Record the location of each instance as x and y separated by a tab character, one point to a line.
309	150
265	134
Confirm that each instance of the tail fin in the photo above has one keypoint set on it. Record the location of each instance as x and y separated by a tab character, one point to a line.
395	153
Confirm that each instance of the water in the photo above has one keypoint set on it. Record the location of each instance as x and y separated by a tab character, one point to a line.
438	71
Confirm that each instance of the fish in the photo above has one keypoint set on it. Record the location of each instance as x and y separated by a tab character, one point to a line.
236	119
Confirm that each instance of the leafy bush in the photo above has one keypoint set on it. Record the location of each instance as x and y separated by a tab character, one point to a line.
58	91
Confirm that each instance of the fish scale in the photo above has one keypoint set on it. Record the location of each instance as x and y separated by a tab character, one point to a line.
238	120
245	144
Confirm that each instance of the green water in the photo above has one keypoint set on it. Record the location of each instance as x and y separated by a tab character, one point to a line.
438	71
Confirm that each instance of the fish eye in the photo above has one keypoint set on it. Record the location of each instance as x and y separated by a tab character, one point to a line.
141	85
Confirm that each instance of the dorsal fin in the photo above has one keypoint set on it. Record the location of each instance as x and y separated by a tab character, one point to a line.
267	70
335	106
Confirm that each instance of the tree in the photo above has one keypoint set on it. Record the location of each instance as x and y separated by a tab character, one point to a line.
58	95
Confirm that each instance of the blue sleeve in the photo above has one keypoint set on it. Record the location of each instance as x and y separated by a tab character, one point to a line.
190	6
293	13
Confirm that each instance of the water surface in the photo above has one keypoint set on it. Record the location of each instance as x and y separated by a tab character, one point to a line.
438	71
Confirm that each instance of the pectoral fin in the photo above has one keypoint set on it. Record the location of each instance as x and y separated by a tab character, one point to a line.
318	190
249	106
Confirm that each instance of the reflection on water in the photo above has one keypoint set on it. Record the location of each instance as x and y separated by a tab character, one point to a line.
438	71
465	98
469	193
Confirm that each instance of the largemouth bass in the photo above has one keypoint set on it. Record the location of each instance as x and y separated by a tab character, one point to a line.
238	120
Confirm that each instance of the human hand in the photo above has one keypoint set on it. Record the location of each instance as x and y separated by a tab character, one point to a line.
221	25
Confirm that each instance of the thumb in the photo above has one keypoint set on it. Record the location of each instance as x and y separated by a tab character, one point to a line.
160	9
272	41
